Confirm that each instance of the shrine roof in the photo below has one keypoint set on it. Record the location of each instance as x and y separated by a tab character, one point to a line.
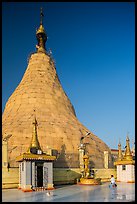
30	156
124	162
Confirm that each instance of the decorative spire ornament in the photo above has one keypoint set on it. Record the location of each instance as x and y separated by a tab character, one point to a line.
41	17
128	155
41	35
34	146
120	156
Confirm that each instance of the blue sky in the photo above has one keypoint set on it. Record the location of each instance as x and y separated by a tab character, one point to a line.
93	45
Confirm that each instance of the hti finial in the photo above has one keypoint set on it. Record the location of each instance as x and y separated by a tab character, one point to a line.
34	120
41	16
127	134
41	35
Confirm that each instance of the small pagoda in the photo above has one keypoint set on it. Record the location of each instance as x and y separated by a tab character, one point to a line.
35	166
86	178
125	164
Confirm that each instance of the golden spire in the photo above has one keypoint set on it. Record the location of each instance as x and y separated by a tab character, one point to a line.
128	155
34	142
41	35
119	152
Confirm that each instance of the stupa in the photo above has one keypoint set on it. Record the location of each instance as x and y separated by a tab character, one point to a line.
59	128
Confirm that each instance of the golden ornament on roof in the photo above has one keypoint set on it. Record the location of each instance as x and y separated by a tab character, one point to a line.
40	30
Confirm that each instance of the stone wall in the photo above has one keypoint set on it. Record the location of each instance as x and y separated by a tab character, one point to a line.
105	174
10	177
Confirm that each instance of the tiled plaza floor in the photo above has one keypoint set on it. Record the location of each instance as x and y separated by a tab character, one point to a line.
125	192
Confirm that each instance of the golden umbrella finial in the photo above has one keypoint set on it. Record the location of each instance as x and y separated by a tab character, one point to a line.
41	35
34	120
41	16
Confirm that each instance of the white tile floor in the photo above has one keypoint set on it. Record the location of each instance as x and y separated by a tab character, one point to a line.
125	192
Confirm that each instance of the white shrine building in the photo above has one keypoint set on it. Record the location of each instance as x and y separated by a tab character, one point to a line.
125	164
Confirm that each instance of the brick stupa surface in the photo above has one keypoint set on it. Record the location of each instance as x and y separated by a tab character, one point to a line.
58	127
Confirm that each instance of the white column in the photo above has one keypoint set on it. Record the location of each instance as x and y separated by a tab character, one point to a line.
81	161
26	176
106	159
49	171
33	173
4	154
19	175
